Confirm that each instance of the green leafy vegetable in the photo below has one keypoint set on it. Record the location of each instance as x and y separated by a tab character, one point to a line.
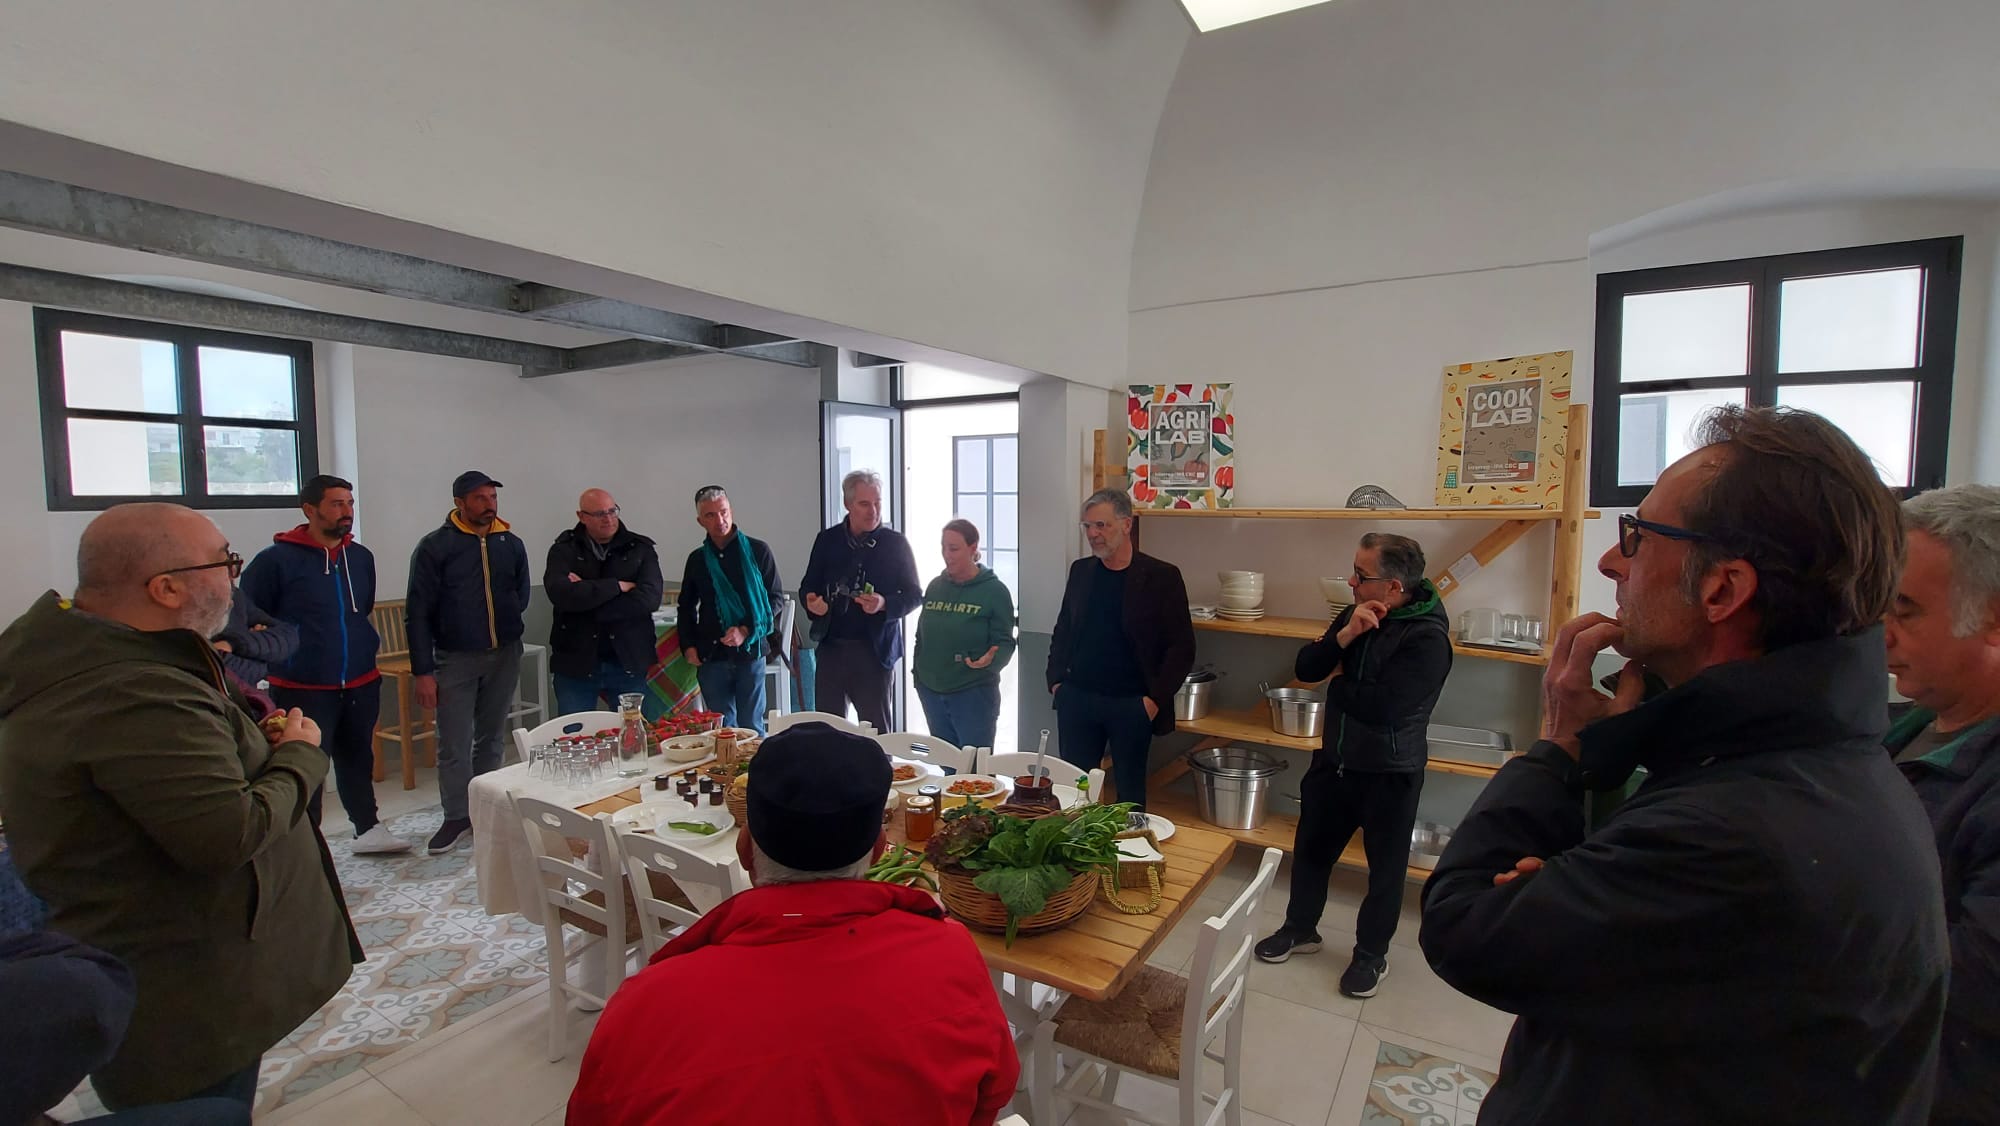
1023	862
701	828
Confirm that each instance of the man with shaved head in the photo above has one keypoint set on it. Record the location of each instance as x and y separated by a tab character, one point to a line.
156	818
604	580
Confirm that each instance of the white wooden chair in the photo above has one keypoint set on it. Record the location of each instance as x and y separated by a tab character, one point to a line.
1063	774
778	670
704	880
930	749
1106	1038
587	894
777	721
575	723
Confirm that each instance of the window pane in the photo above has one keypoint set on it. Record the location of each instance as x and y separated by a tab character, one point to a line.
971	454
1880	417
1654	431
124	459
1850	322
246	384
1005	534
972	506
1006	465
1685	334
1007	566
251	462
119	373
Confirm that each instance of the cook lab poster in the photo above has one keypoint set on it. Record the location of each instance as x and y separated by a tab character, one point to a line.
1503	431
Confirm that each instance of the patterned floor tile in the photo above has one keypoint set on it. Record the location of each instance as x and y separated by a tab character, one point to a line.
1415	1088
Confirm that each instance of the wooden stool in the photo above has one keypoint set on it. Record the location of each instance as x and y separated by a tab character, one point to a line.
412	724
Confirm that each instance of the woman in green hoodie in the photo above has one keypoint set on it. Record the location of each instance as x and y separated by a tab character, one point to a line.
965	636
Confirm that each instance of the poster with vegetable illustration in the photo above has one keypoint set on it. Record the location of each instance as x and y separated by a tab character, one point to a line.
1504	432
1180	445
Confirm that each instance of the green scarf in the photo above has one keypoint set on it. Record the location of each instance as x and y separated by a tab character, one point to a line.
729	609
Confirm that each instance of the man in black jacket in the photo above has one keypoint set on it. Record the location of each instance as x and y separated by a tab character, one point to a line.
1943	637
1757	934
1123	644
860	581
1388	655
604	581
730	607
469	586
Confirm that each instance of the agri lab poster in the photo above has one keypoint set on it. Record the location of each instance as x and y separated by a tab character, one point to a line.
1503	435
1180	445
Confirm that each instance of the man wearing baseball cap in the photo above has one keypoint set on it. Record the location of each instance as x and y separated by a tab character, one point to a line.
822	997
468	588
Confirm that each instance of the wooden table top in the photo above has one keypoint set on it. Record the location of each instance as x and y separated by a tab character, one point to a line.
1103	949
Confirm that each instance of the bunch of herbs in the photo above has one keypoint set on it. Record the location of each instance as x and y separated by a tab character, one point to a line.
1023	862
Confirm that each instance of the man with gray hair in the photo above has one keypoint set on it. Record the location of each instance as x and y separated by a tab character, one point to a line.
156	818
604	581
729	612
836	953
1943	640
860	581
1123	643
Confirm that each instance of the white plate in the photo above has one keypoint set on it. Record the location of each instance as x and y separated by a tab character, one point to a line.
715	815
949	799
1162	828
927	773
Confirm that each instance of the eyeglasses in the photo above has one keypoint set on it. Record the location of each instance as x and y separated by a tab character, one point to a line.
602	515
1361	577
1629	527
234	563
1098	525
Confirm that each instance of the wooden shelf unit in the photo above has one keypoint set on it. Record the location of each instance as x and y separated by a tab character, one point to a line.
1252	727
1306	629
1279	830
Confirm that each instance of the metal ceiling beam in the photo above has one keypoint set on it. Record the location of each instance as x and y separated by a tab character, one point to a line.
618	353
153	303
870	360
48	207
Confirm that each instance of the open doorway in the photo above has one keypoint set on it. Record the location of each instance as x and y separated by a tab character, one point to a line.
961	460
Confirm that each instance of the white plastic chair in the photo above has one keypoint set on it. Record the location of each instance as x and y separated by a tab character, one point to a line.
1207	1005
587	894
1015	763
776	721
587	723
778	670
930	749
704	880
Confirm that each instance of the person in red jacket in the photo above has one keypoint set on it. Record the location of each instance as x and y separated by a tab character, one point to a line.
817	996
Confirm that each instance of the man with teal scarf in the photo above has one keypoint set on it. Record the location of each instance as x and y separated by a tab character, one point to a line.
1943	639
726	619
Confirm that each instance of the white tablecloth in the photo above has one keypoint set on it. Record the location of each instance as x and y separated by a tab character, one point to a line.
499	848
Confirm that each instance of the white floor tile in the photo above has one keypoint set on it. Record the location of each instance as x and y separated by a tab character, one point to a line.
492	1076
366	1101
1413	1000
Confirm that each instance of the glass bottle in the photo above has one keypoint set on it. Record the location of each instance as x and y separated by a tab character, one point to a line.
632	736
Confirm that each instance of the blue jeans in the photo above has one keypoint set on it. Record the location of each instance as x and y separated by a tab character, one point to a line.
579	693
734	688
966	718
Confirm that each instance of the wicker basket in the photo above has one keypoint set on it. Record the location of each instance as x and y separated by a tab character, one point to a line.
1137	874
982	910
736	799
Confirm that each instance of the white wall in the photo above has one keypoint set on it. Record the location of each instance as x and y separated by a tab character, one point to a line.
947	172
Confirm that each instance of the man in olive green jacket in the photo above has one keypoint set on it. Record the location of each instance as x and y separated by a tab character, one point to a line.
157	819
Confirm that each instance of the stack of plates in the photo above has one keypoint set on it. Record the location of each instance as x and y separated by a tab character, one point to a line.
1202	613
1229	615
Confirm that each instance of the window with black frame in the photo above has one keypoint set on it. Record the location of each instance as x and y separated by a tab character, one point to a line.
1864	336
133	410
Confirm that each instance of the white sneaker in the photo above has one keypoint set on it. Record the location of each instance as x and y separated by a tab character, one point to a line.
379	840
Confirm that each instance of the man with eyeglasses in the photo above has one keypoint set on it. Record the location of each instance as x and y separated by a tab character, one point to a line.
730	607
1757	934
469	587
1122	645
1388	655
860	582
147	808
604	580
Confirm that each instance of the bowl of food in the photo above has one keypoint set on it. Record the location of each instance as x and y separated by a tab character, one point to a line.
981	789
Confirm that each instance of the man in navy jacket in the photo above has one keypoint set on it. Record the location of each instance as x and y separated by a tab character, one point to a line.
860	581
323	583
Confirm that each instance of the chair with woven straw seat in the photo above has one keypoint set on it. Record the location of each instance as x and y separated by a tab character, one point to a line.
1162	1025
410	726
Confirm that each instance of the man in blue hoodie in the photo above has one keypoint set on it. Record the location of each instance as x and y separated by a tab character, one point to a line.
322	582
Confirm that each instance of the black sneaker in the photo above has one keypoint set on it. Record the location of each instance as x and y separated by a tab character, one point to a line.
1286	943
1363	975
449	836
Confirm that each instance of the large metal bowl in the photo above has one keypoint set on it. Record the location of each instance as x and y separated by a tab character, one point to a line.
1427	843
1296	712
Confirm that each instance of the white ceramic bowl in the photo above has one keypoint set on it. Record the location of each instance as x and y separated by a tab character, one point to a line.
1336	590
1235	585
1241	601
1227	577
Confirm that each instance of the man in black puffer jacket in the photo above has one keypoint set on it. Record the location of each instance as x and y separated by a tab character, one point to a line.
1757	934
1388	655
604	581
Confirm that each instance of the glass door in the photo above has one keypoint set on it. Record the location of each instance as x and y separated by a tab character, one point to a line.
854	437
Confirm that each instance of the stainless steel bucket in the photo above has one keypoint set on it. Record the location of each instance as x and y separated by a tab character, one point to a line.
1193	700
1232	785
1296	712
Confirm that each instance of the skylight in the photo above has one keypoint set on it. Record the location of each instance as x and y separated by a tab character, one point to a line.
1211	14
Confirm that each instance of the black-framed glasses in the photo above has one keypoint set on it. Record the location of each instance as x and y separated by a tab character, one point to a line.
1361	577
600	515
1629	527
234	563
